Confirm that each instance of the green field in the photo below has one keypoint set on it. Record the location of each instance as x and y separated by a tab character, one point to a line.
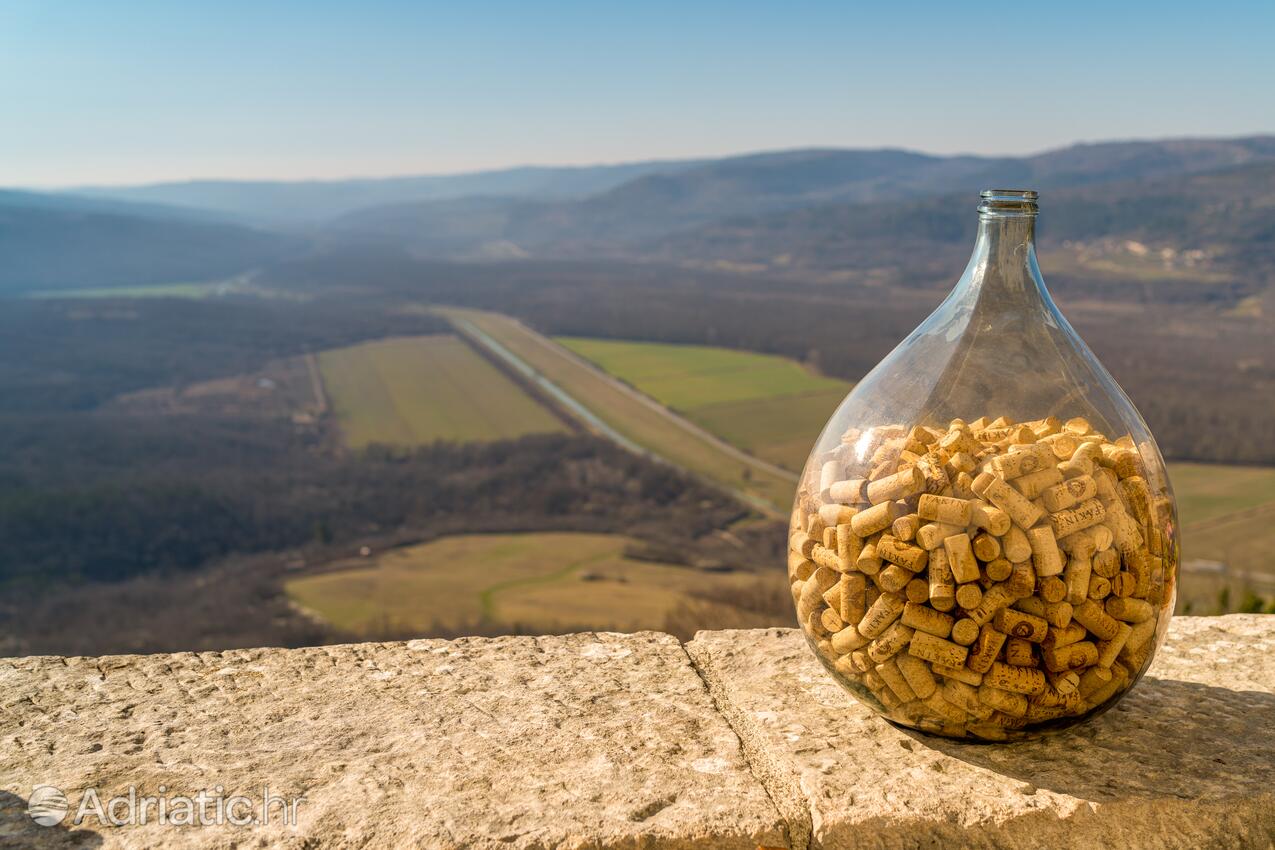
1207	491
538	582
770	406
415	390
636	419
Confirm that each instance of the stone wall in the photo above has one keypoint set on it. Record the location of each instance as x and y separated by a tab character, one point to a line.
736	739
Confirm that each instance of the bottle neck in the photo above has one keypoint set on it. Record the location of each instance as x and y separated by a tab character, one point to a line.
1003	266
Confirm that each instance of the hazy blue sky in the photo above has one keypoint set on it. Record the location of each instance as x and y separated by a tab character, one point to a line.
125	91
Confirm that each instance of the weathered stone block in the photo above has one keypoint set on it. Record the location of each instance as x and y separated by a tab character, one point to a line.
587	740
1186	760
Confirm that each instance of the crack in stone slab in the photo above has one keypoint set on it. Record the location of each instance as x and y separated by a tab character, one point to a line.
779	782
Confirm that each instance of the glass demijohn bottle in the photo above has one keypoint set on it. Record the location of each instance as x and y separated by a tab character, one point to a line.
983	543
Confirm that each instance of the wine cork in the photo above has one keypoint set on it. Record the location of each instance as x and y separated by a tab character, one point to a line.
926	619
1052	589
932	468
848	640
1123	584
945	709
893	678
1070	657
801	543
1109	650
1027	460
1077	573
1018	624
931	535
1076	467
1064	635
1064	682
876	518
961	462
1020	509
998	596
1033	485
1015	545
965	631
1058	614
957	441
989	518
917	673
1099	588
1080	517
1019	680
942	585
853	604
1092	616
945	510
960	558
1106	563
909	557
1070	493
959	674
904	528
1141	635
893	578
829	474
986	547
849	544
1129	609
887	608
828	558
961	695
830	620
917	590
900	485
1018	653
968	595
1046	559
998	569
1093	679
936	650
812	592
832	514
985	649
1062	445
893	639
848	492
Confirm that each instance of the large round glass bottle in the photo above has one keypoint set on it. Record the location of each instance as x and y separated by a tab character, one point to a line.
983	543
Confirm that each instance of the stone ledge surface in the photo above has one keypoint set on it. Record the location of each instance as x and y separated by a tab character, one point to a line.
1186	760
586	740
614	741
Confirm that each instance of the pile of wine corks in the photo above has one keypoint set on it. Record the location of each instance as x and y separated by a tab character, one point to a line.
985	579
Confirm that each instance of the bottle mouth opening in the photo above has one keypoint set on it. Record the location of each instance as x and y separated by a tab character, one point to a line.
1004	203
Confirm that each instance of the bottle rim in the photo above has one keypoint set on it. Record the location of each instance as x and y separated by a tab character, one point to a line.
1008	202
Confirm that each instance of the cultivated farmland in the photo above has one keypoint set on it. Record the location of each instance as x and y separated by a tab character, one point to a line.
532	583
415	390
636	418
770	406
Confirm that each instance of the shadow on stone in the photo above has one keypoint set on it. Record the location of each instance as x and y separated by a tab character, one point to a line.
18	829
1168	738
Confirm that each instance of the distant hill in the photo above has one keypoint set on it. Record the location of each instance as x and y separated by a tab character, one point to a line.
306	202
61	242
721	195
1228	213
